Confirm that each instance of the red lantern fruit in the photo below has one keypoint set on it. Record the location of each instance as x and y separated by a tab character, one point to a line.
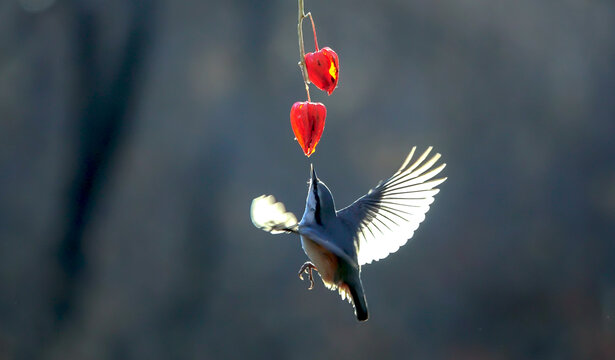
308	121
323	69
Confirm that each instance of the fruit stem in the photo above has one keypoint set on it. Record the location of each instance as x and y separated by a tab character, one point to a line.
302	16
313	30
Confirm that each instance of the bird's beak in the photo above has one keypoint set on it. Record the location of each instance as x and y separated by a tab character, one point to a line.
314	177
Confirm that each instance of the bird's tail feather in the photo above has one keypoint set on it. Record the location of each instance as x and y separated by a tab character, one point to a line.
359	301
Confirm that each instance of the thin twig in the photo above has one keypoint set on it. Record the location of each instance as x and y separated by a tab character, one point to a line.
302	16
313	30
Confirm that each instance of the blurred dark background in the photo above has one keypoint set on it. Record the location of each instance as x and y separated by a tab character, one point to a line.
134	135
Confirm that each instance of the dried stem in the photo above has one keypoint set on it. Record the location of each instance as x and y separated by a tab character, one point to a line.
303	15
313	30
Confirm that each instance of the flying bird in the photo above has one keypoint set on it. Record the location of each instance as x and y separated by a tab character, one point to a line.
339	242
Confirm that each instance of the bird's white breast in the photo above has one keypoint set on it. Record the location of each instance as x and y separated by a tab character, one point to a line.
325	261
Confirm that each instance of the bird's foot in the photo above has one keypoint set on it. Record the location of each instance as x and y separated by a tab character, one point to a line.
307	268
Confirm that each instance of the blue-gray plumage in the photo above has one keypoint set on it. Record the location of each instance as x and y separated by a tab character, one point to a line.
339	242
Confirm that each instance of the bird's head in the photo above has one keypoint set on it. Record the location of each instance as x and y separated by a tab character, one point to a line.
319	206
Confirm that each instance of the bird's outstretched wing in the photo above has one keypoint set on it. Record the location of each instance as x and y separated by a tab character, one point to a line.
387	216
271	216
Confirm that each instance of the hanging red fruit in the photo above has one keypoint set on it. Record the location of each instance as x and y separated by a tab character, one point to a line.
308	121
323	69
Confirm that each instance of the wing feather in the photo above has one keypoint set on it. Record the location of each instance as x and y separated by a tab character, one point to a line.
386	217
271	216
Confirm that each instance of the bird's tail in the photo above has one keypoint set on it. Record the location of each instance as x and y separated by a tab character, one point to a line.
359	301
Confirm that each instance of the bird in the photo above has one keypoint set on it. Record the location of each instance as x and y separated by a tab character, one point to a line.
339	242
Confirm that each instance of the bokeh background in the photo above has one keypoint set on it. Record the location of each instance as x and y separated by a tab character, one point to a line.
134	135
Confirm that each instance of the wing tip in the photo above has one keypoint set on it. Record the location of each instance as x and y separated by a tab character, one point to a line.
407	160
269	215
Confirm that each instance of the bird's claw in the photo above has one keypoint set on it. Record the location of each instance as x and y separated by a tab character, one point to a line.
307	268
